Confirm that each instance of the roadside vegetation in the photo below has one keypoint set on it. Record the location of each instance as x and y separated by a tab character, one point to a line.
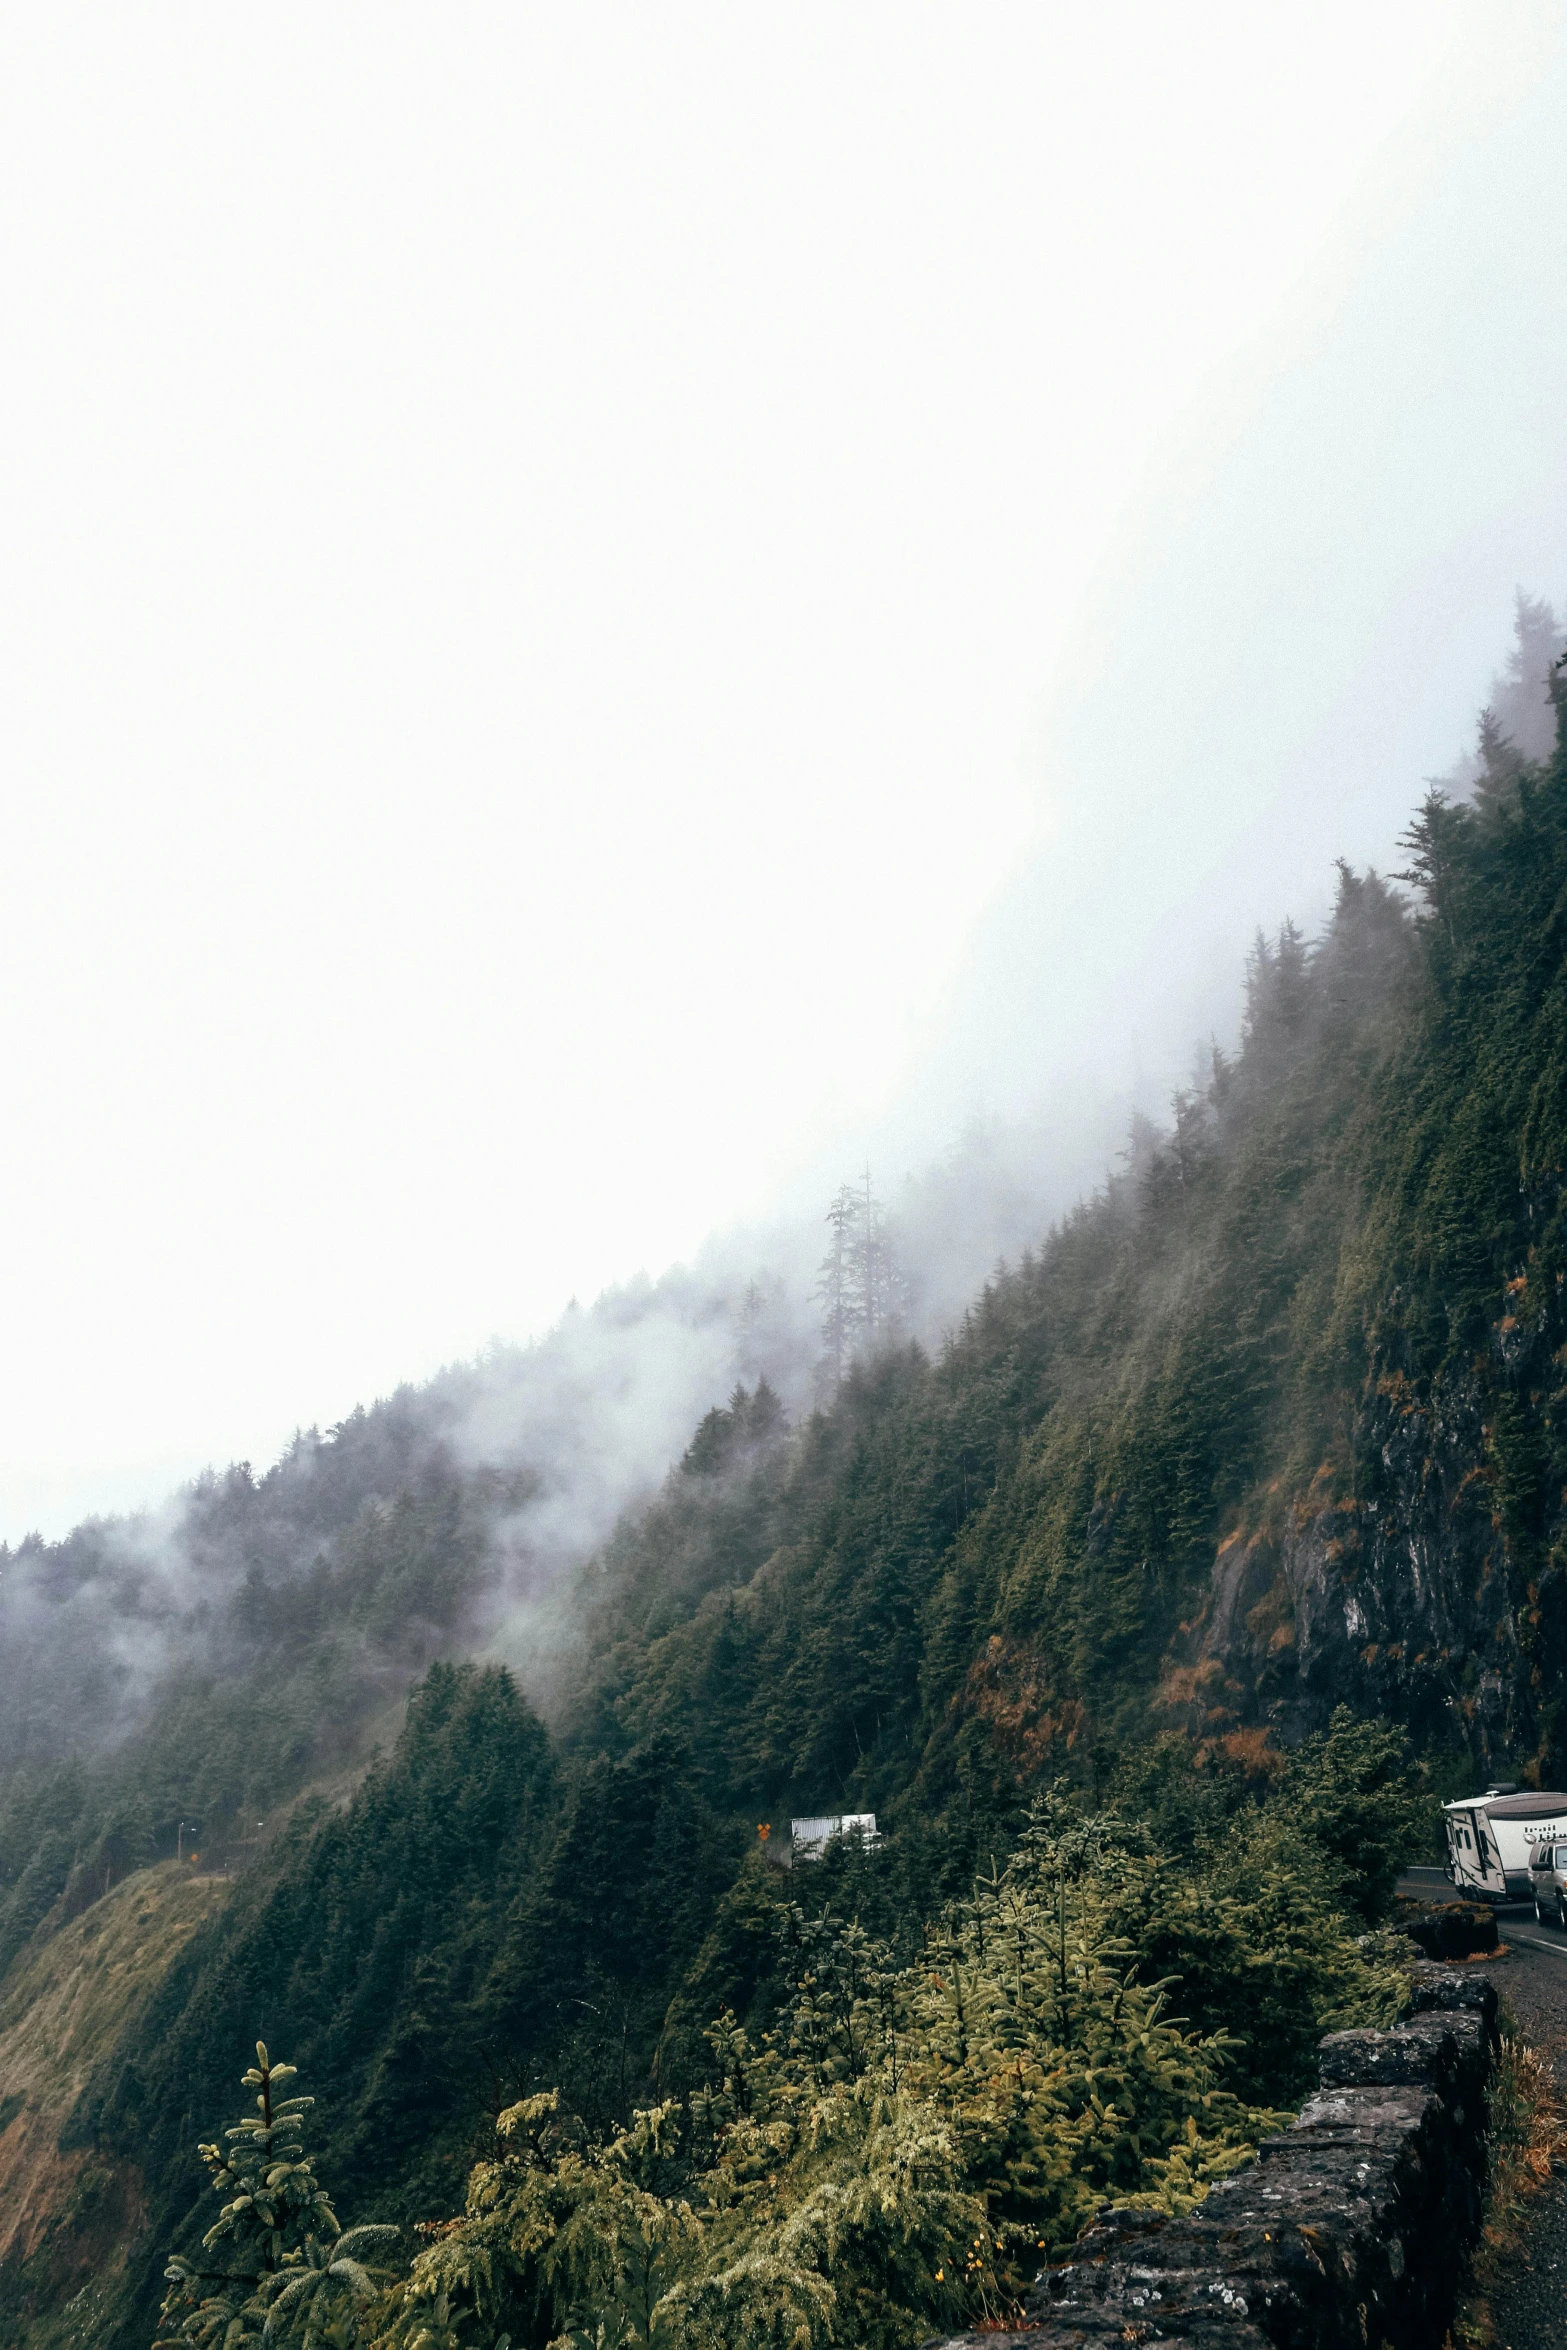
1525	2127
912	2117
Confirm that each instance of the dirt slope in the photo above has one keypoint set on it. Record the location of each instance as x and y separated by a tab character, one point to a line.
65	2217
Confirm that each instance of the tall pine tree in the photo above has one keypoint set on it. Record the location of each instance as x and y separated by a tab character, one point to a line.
275	2264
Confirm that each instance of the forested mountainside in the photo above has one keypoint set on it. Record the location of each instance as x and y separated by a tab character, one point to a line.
1274	1421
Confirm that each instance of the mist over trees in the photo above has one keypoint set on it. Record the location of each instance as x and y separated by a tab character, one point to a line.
859	1284
1228	1513
1517	727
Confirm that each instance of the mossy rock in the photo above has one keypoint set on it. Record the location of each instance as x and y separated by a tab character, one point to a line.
1448	1929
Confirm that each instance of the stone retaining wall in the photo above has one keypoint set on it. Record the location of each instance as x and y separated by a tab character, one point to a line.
1349	2232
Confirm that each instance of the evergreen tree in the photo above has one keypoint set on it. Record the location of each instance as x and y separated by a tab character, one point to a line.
1524	696
1501	762
859	1283
766	1419
729	1434
1517	726
764	1338
275	2265
1439	839
835	1285
877	1283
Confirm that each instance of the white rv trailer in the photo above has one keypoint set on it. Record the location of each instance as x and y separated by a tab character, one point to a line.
810	1838
1490	1838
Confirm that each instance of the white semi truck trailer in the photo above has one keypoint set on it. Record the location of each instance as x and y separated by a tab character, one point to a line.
1491	1836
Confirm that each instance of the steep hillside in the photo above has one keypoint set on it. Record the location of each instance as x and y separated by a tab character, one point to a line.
1276	1419
70	2216
1273	1421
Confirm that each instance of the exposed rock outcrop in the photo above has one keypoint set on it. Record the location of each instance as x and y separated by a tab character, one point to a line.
1413	1599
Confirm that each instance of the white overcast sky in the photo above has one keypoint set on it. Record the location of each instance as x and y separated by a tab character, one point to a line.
532	537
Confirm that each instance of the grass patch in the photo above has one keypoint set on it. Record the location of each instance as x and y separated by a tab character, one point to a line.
1524	2129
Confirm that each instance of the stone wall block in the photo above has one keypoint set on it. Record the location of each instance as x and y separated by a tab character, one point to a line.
1450	1990
1446	2051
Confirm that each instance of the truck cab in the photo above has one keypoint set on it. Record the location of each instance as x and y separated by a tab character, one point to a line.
1548	1882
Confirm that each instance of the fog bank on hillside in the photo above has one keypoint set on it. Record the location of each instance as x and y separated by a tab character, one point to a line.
1297	621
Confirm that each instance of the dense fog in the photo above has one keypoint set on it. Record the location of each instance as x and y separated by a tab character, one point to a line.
1305	606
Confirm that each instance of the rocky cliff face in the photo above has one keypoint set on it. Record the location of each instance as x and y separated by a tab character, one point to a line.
1431	1595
